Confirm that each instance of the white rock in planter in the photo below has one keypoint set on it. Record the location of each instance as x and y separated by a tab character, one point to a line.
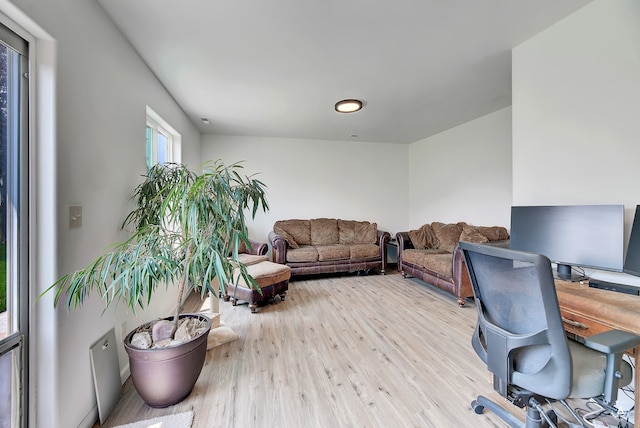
162	329
141	340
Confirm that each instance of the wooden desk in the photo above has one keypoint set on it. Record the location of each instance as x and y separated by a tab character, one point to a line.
587	311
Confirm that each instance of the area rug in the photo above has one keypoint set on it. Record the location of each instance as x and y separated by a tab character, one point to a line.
179	420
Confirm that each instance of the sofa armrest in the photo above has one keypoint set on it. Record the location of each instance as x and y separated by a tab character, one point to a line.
279	247
404	242
383	240
257	248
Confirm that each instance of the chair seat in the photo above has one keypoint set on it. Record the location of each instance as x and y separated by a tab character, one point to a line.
589	371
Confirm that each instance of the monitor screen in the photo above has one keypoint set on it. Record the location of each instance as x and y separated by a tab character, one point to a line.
590	236
632	260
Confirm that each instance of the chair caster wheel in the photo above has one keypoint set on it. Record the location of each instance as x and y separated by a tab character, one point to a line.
477	408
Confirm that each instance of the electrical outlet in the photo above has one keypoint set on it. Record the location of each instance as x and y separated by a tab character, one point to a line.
75	216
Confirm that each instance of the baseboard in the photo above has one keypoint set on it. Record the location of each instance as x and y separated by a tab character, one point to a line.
91	419
124	374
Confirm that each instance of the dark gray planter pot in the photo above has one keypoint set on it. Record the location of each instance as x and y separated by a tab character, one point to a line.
164	377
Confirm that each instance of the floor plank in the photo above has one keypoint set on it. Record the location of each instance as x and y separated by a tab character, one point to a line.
340	351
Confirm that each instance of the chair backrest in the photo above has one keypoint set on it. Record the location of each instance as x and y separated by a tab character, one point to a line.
519	332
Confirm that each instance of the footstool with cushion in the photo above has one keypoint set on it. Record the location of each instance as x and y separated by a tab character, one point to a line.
272	278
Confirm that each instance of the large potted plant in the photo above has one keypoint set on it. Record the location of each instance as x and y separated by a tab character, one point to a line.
185	231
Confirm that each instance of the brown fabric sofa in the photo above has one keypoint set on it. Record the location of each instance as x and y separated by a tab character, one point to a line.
432	254
328	245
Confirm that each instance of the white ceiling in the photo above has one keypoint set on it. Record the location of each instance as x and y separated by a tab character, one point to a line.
277	67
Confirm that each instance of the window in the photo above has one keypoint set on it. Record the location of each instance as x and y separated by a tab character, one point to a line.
14	220
162	141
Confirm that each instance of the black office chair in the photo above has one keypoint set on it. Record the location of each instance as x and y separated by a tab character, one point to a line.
520	336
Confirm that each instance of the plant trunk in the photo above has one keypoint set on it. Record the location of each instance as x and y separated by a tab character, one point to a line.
181	288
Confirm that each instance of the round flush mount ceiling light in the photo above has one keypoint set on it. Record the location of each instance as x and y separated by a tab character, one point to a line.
348	106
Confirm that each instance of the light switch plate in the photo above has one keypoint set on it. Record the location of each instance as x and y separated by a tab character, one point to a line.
75	216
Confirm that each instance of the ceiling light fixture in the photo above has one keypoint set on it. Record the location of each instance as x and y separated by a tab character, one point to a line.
205	120
348	106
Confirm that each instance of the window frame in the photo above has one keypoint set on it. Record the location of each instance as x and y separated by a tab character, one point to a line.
158	126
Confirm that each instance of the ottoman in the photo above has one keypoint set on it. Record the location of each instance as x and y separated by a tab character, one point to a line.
272	278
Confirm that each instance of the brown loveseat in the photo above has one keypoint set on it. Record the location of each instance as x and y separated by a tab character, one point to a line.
327	245
432	254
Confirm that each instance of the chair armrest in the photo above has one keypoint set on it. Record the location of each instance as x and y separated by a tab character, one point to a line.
506	243
257	248
279	247
612	341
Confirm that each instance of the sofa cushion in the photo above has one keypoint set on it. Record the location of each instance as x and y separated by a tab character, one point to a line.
299	231
365	232
324	231
437	260
305	253
357	232
346	231
442	264
364	251
332	252
424	237
448	234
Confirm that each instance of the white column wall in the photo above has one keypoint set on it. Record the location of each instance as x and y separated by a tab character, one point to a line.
576	98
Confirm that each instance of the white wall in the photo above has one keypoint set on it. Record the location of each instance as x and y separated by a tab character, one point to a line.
311	178
101	90
576	98
463	174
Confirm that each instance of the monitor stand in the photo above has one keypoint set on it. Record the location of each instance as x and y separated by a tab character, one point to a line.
565	273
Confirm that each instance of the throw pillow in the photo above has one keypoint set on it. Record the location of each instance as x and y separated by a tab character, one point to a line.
424	238
472	234
494	233
448	234
287	237
417	239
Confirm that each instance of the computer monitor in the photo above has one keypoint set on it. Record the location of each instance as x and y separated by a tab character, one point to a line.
632	260
586	236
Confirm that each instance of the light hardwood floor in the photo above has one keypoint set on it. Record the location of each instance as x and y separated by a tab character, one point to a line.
343	351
